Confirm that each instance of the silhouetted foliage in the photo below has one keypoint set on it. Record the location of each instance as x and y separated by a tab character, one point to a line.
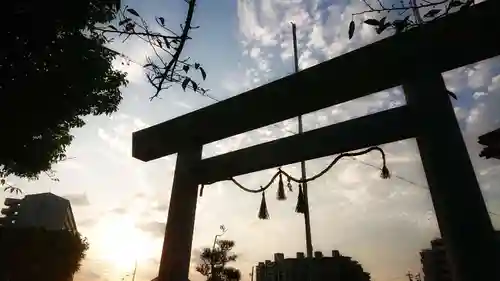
53	72
350	270
405	14
39	254
166	67
215	260
56	67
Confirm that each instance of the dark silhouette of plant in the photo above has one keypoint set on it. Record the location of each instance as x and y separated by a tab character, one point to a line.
214	262
405	14
39	254
56	68
166	67
349	269
53	72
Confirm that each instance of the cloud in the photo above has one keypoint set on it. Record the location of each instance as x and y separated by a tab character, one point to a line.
118	137
78	199
87	222
155	228
119	210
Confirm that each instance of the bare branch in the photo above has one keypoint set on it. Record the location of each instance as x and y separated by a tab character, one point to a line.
173	63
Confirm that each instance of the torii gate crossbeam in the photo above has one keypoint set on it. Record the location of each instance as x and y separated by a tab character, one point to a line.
456	40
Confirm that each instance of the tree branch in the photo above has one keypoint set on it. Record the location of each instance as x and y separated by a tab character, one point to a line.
173	63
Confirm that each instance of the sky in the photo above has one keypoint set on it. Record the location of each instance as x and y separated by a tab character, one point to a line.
121	203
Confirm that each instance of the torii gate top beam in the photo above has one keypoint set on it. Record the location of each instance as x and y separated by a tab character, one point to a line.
456	40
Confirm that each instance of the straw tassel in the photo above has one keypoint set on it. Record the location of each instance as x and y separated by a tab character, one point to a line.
385	174
301	201
263	213
281	190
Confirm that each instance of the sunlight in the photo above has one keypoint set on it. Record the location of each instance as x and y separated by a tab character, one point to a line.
120	243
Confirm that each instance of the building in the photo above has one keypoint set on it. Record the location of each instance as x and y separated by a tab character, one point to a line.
336	267
435	262
44	210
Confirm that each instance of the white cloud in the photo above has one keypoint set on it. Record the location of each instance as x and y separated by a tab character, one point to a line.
478	95
495	83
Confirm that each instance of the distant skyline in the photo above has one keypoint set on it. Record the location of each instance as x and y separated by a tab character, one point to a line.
121	203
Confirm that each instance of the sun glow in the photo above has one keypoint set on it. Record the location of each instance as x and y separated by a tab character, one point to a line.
119	242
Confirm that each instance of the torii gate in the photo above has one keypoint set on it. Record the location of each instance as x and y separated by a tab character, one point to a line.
415	60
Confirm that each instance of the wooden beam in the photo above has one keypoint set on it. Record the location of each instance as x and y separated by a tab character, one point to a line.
383	127
456	40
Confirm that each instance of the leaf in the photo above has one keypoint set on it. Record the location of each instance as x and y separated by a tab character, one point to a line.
129	27
159	43
112	27
162	20
456	4
452	94
122	22
196	65
382	21
195	86
2	181
185	68
381	28
133	12
432	13
185	83
203	73
352	27
373	22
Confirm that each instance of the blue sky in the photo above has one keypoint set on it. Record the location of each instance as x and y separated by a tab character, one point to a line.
121	203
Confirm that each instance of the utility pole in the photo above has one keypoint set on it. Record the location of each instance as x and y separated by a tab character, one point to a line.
135	270
212	262
303	163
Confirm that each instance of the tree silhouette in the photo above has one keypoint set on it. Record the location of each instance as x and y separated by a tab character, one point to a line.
402	15
53	72
39	254
348	269
166	67
214	262
56	68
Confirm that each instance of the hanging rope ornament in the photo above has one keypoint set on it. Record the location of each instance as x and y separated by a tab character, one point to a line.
281	189
289	185
263	213
385	174
301	201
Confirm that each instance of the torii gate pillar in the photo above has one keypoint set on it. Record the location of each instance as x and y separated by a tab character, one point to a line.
176	254
458	203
